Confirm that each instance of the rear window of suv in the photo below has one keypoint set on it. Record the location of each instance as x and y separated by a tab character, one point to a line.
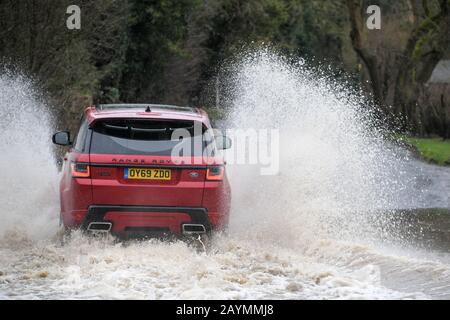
141	137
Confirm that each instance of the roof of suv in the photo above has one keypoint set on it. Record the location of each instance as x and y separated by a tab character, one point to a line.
143	111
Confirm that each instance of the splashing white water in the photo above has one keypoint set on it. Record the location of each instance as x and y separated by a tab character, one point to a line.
336	169
28	175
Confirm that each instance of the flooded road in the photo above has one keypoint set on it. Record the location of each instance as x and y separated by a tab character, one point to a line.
235	267
348	216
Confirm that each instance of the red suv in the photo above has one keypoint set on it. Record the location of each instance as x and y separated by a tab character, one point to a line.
126	173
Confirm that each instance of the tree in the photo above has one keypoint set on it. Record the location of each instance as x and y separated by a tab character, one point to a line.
156	31
71	66
427	45
399	82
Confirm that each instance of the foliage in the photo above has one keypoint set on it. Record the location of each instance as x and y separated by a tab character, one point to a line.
170	50
156	30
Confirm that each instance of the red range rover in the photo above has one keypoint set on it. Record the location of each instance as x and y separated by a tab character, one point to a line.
138	169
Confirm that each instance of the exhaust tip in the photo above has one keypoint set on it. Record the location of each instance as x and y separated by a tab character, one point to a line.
99	226
193	229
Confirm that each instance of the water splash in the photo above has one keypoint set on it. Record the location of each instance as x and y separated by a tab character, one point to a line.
337	169
28	175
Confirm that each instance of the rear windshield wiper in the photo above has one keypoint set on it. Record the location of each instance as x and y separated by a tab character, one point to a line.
110	126
148	130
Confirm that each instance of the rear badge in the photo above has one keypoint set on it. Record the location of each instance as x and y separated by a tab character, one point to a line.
193	174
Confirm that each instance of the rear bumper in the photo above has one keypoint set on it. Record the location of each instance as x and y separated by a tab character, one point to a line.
146	219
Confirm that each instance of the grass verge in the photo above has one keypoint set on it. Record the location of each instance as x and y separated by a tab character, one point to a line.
434	150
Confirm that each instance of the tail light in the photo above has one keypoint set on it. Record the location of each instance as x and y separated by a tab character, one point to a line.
214	173
80	170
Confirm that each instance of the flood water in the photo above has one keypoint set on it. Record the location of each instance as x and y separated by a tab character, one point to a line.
348	216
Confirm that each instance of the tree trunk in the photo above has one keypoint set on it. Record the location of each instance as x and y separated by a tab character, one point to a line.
426	46
359	42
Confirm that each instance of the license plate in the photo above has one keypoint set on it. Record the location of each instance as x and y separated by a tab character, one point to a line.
147	174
